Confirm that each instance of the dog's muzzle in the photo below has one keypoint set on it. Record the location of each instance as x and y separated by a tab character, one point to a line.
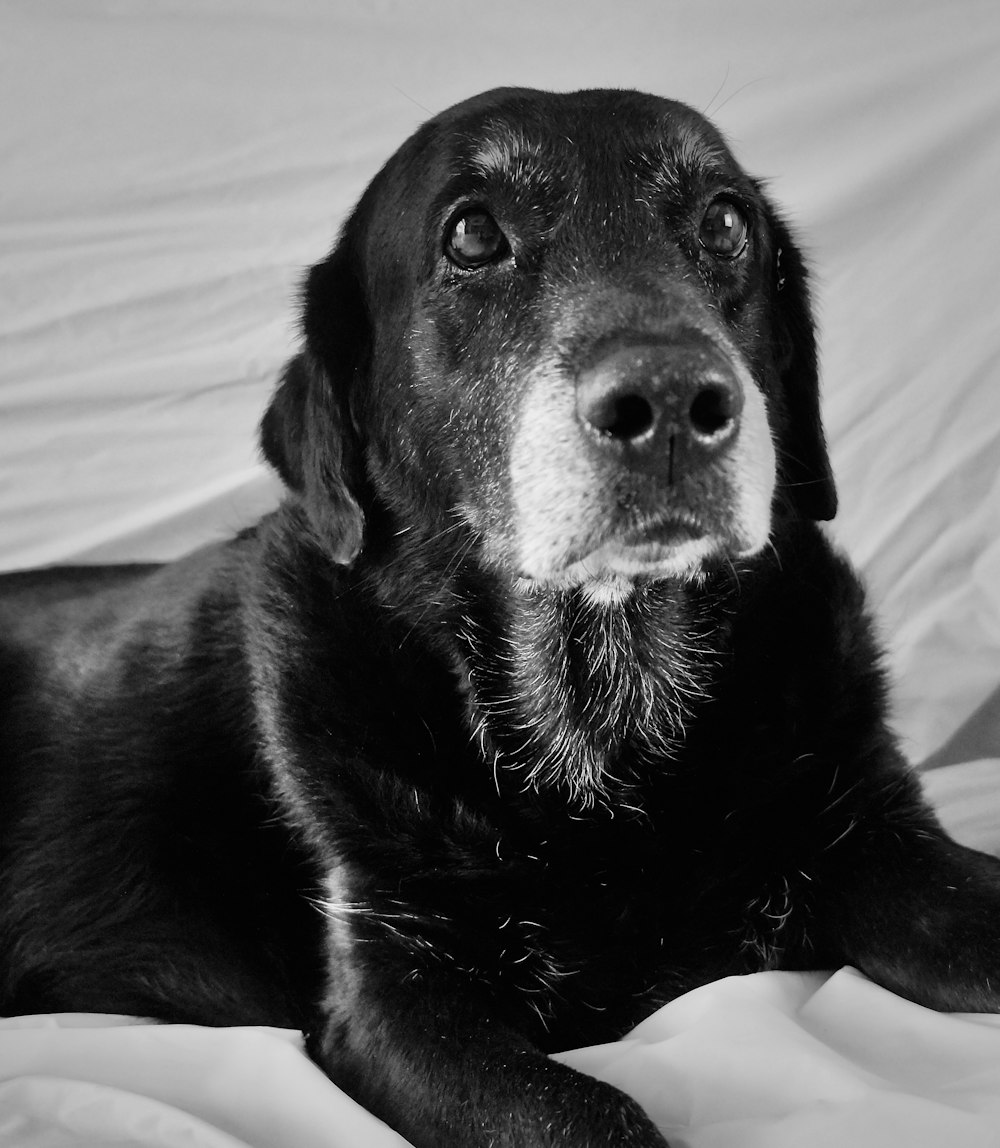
647	458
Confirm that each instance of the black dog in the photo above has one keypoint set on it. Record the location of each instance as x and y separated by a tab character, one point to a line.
541	699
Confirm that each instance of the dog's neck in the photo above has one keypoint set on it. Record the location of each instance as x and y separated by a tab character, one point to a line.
565	694
571	696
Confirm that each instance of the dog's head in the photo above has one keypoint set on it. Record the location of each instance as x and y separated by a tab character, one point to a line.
567	331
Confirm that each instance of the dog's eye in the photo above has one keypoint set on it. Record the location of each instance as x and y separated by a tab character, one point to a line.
724	230
475	239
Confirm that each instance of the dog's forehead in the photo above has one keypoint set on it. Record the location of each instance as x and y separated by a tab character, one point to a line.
513	129
531	134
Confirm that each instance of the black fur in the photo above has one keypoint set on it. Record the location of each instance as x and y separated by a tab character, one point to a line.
366	771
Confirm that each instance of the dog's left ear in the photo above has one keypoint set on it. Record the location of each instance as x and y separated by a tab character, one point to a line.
804	462
307	433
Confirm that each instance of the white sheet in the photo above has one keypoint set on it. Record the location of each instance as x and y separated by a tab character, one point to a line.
782	1060
78	1080
764	1061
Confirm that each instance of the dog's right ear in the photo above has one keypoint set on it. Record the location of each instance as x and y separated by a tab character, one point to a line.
804	460
307	433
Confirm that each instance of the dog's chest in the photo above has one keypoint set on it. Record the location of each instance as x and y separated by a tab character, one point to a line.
580	934
594	942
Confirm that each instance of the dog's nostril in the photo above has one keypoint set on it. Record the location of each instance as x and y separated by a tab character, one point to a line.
622	416
711	411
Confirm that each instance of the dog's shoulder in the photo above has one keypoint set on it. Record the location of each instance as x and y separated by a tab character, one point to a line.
64	608
98	659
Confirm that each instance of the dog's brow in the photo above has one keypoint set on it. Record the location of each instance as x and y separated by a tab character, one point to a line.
506	153
688	154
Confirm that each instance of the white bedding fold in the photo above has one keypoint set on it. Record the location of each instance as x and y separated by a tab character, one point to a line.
774	1060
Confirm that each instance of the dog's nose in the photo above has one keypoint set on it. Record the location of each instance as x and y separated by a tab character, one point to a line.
664	410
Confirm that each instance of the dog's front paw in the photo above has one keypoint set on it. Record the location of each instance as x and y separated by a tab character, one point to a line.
587	1114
